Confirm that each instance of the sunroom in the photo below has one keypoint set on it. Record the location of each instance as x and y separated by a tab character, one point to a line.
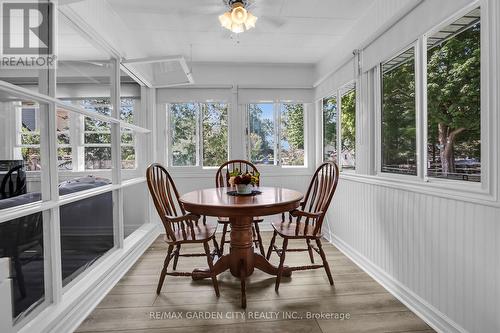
249	166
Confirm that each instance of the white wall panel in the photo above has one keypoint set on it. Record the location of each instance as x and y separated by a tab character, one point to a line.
443	251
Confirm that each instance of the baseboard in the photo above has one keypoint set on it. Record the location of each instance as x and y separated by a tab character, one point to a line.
432	316
67	315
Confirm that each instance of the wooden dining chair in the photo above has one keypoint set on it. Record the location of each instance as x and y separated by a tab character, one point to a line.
306	221
181	227
222	180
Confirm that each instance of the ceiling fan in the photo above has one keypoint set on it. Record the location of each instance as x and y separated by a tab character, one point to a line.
238	18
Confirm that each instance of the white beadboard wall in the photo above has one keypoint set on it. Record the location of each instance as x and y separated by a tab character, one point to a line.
440	256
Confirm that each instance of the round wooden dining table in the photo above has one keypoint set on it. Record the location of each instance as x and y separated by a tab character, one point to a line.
241	260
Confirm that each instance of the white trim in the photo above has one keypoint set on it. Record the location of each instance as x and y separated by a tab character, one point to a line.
432	316
26	93
79	301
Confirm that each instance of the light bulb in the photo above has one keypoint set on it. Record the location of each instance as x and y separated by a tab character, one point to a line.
237	28
239	15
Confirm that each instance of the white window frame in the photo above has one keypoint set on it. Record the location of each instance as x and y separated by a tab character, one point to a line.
485	191
277	134
199	135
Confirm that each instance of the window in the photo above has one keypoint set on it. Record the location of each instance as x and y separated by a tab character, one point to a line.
348	128
29	135
214	132
292	134
129	106
97	134
330	128
454	100
262	133
398	132
276	133
199	134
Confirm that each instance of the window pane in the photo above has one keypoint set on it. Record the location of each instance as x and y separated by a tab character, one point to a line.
261	133
398	114
454	101
86	232
20	152
214	134
135	207
292	134
330	129
348	129
98	158
21	239
184	129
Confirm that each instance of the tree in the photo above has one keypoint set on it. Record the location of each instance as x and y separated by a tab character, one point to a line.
330	125
398	117
454	98
261	135
348	121
99	133
183	126
214	134
292	134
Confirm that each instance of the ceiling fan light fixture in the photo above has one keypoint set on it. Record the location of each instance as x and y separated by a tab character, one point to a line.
225	20
250	21
238	18
237	28
239	14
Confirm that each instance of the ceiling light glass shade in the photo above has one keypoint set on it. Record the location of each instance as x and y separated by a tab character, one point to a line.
237	28
250	21
238	19
225	20
239	14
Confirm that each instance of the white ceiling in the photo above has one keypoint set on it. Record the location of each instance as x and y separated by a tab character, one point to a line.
288	31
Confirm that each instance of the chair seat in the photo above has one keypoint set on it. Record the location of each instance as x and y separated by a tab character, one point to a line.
224	220
201	234
289	230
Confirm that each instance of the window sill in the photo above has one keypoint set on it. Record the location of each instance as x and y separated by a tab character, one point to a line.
265	171
462	191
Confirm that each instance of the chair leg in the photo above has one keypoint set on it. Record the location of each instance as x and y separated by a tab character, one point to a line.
164	270
217	248
211	267
223	239
176	255
270	250
309	249
282	262
325	262
259	238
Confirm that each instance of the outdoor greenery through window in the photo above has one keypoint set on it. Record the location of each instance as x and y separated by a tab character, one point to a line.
454	100
276	136
399	148
330	128
292	134
348	128
199	134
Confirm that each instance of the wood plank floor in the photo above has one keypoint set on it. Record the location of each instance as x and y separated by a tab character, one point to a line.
132	306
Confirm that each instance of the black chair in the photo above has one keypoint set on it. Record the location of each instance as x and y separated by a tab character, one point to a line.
13	183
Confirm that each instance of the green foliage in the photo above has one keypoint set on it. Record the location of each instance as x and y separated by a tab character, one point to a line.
398	117
183	119
454	97
348	121
214	134
261	135
330	127
292	134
